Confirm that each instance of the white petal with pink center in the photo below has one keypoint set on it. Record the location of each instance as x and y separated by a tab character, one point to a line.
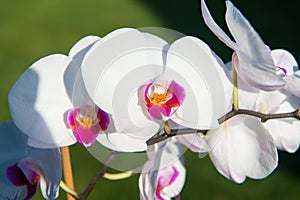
285	60
163	176
42	96
38	166
117	68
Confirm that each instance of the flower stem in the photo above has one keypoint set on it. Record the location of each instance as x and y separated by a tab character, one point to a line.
99	175
67	169
174	132
68	190
117	176
235	84
263	118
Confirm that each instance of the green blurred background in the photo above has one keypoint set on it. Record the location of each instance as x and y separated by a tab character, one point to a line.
32	29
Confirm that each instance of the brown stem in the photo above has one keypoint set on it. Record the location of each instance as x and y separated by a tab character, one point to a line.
99	175
172	133
263	118
67	169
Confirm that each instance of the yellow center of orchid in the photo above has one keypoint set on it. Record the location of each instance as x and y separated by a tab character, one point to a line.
159	99
87	116
159	94
86	121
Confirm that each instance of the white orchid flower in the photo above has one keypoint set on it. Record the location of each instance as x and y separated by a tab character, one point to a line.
23	167
142	81
252	59
244	148
163	175
288	68
45	104
284	131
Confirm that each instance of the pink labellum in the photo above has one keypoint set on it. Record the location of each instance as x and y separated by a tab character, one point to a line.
167	177
161	100
87	121
281	71
17	176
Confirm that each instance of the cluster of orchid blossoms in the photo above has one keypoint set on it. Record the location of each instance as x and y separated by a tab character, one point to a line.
133	91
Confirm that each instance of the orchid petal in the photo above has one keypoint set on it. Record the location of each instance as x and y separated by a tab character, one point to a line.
122	52
244	150
255	64
30	170
247	95
193	65
13	143
268	102
285	131
170	150
43	145
132	58
209	21
85	136
247	39
34	103
8	189
285	59
162	104
256	74
77	54
49	162
162	164
27	171
81	47
132	140
123	142
12	149
195	142
87	122
293	82
16	176
30	160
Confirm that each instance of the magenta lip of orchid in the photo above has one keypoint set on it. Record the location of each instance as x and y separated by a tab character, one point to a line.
24	176
87	121
281	71
163	100
166	179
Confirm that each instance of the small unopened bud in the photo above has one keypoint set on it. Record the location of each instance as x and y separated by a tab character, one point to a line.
167	128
